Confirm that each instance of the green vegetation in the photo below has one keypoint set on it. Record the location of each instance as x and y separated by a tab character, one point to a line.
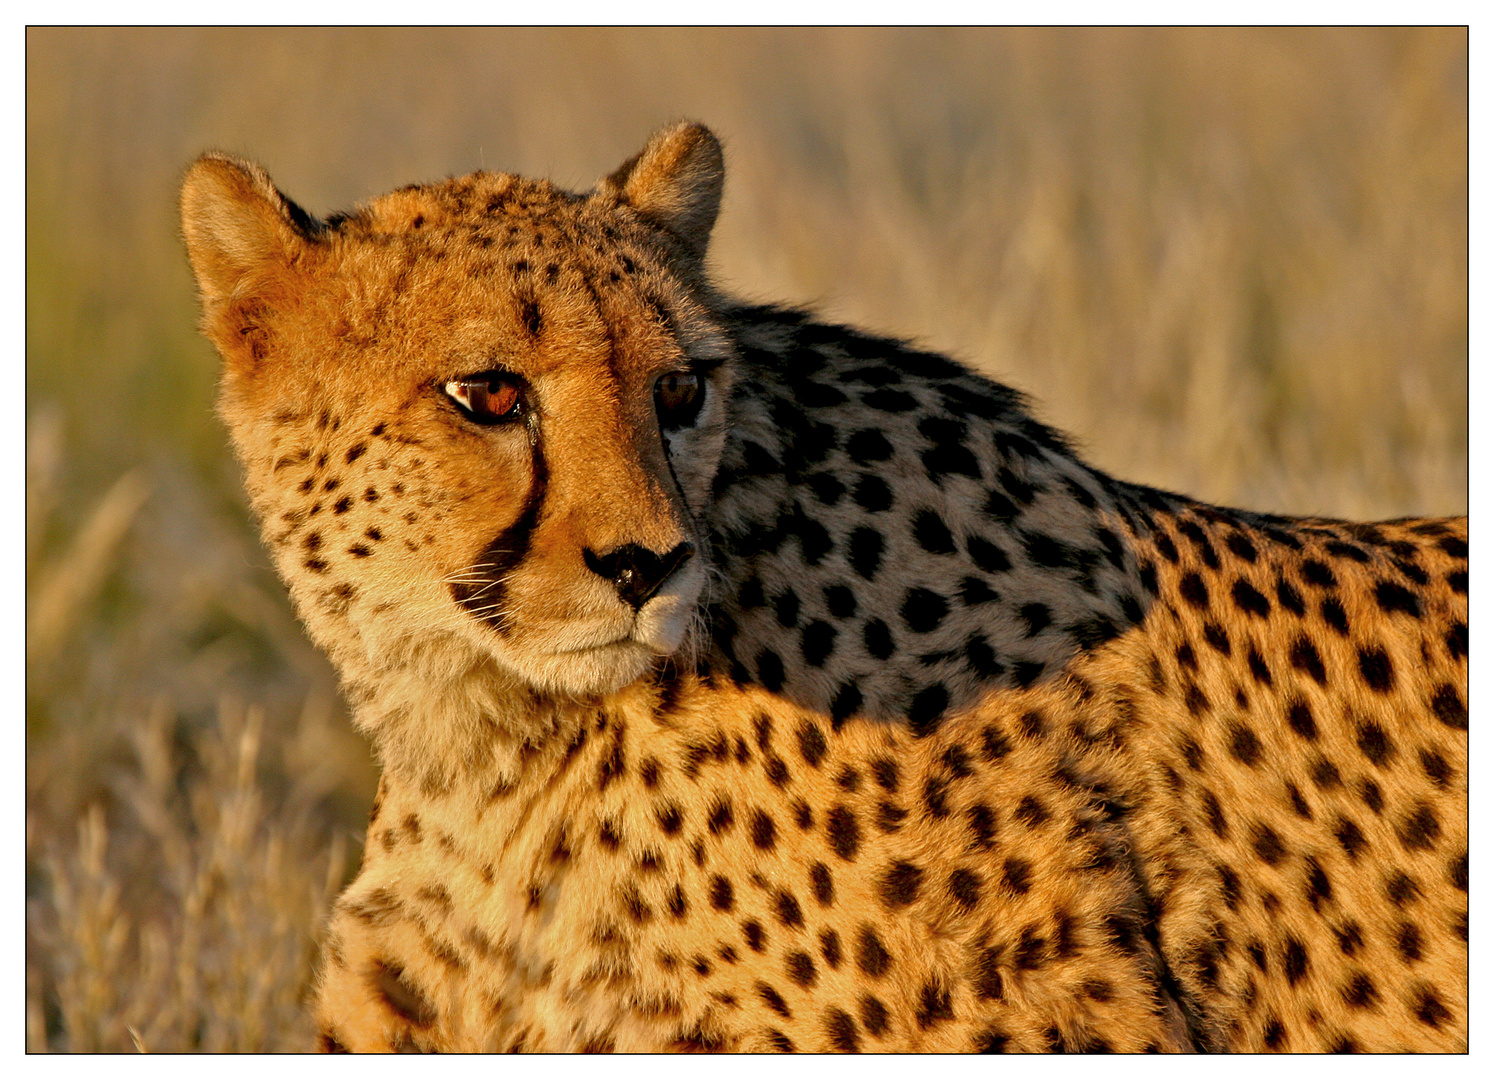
1231	262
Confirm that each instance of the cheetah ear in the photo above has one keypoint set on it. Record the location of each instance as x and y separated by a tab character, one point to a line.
238	225
675	182
244	238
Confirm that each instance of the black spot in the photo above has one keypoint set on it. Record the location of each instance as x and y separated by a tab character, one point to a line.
1408	942
1001	508
843	832
1216	637
1274	1035
1269	847
926	710
770	670
1316	573
1249	599
1215	814
764	832
1350	938
866	552
933	1004
1318	888
780	1042
824	888
1438	771
867	446
964	886
1350	838
1030	811
827	488
670	819
1288	597
1325	775
934	789
1299	804
871	955
891	401
885	772
1334	615
994	744
1401	890
987	555
1026	672
982	825
1348	551
873	1015
1044	550
841	1029
1299	717
1230	882
847	701
786	609
923	610
1394	598
752	933
1375	744
900	884
872	493
1031	950
1193	590
1017	873
1304	657
840	601
1244	746
1457	872
932	534
1448	707
722	895
1375	667
1420	829
774	1000
1295	961
878	639
720	817
1429	1009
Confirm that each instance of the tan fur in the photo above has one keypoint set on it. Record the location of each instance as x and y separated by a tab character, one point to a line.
936	738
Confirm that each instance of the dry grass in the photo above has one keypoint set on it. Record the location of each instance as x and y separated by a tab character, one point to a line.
1232	262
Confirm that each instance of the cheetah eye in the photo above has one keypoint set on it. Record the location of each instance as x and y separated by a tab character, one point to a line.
489	397
678	396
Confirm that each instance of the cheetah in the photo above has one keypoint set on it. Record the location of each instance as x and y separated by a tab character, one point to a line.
743	682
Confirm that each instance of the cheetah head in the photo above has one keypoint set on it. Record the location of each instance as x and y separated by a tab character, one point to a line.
485	411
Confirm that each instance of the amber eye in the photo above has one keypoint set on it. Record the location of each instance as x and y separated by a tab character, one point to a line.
489	397
678	396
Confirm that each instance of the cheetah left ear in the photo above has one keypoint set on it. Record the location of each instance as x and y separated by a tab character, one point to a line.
675	182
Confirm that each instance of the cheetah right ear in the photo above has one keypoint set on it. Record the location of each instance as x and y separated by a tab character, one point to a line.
675	182
244	240
238	225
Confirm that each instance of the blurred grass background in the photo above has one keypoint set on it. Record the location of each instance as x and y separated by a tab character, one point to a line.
1231	262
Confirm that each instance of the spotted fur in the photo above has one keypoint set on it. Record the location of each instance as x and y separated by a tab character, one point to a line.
853	711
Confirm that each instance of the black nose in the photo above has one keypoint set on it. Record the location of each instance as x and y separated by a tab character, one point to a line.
635	571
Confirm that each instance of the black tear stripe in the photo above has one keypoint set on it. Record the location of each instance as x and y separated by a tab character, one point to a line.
484	593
